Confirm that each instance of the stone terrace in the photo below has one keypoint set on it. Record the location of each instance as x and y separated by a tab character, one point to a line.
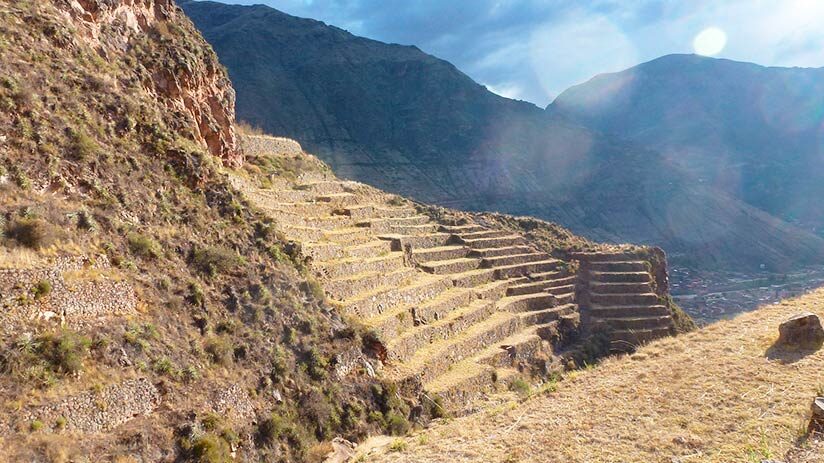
456	308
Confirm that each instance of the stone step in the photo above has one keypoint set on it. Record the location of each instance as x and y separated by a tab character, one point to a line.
527	268
439	253
458	229
628	311
627	340
635	323
439	307
306	209
347	236
564	298
620	288
485	234
444	267
387	225
624	299
352	265
468	381
527	302
527	288
473	278
621	266
391	299
499	242
368	250
436	358
327	187
493	290
504	261
322	251
351	286
339	199
407	229
621	277
403	347
606	257
325	223
504	251
430	240
272	197
370	211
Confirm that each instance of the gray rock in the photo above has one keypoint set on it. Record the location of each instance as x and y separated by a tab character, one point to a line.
802	331
817	420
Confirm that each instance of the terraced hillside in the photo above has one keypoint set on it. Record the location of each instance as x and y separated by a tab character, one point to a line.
454	308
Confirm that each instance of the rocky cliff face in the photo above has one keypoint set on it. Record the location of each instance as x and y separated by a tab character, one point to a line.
188	80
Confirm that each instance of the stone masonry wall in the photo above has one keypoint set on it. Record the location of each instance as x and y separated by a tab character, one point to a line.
73	303
101	411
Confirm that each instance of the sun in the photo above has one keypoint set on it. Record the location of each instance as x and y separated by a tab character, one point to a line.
710	41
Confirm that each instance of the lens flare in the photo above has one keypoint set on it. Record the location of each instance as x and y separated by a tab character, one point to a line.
709	42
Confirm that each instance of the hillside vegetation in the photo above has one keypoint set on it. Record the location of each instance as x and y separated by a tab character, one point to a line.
720	394
407	122
113	137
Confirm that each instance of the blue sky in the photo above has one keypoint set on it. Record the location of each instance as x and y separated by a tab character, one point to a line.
534	49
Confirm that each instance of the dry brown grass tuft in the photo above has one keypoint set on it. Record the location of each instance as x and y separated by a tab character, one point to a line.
714	395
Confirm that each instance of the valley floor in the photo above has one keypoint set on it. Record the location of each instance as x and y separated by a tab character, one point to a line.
720	394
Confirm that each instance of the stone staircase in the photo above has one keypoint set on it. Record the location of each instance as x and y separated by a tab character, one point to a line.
620	294
454	309
452	306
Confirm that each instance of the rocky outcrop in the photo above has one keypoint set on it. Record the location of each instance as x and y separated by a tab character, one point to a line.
190	81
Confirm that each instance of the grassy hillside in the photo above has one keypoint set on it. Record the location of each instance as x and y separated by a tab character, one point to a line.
720	394
98	161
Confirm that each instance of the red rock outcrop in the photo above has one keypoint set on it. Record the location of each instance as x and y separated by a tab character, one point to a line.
188	79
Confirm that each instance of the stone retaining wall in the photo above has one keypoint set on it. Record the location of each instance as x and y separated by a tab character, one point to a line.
101	411
72	303
261	145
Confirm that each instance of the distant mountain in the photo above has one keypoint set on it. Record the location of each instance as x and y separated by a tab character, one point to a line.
755	132
407	122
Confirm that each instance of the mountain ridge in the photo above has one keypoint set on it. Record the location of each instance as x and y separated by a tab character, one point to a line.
410	123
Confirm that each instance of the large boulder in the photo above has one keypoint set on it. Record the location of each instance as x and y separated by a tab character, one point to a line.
802	331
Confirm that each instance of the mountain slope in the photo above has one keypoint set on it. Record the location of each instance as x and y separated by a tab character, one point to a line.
751	131
407	122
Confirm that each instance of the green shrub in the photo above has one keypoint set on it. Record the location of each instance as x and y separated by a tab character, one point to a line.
396	424
397	445
210	449
82	145
36	425
214	260
30	232
65	352
42	289
271	430
219	350
144	246
520	386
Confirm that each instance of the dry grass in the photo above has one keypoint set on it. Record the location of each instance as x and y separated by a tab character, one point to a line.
715	395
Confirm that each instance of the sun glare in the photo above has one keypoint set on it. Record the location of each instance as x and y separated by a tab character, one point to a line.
710	41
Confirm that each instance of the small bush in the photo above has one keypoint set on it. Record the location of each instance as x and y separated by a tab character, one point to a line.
144	246
271	430
30	232
210	449
520	386
42	289
82	145
396	424
397	445
219	350
214	260
65	352
36	425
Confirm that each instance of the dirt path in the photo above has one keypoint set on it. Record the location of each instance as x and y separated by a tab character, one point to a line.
716	395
